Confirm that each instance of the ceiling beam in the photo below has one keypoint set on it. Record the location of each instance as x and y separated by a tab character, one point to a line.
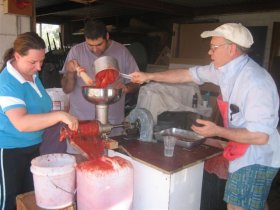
53	19
107	8
268	5
103	8
154	6
63	7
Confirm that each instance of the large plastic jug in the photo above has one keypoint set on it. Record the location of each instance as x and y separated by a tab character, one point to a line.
105	183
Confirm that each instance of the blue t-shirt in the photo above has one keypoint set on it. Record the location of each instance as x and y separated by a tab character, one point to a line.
16	92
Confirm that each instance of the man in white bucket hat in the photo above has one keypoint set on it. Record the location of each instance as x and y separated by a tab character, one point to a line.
249	105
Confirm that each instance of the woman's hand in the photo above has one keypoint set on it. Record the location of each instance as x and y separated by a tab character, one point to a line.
70	120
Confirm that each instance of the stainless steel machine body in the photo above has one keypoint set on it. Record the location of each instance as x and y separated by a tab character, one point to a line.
138	118
103	97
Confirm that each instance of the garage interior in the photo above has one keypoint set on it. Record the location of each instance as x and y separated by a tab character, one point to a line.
162	28
152	24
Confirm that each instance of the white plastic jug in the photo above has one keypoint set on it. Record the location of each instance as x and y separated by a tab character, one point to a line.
60	100
106	183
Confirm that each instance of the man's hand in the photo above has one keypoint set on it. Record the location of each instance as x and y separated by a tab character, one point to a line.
72	66
139	77
205	128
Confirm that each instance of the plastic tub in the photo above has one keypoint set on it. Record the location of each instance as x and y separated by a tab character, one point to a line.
106	183
54	180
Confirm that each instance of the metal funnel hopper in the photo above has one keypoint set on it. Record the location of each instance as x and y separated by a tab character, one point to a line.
101	97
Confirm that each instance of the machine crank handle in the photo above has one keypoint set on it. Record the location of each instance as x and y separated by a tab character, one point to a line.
108	127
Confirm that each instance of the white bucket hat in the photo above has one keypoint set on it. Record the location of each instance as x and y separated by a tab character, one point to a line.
234	32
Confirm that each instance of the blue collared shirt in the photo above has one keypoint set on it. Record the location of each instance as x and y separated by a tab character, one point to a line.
16	92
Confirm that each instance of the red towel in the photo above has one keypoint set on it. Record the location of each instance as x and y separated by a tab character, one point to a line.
235	150
217	165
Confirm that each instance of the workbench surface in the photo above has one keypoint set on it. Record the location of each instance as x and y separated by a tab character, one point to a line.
152	153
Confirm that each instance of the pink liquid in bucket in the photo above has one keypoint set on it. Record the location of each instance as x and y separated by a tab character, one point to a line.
106	183
54	180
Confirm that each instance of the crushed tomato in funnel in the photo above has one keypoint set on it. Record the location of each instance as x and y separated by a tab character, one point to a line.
87	138
106	77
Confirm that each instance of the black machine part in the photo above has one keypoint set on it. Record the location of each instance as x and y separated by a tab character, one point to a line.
183	120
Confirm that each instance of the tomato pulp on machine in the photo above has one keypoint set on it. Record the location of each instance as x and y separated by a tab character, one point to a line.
87	138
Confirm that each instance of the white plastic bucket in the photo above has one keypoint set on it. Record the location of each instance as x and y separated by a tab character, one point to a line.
54	178
60	100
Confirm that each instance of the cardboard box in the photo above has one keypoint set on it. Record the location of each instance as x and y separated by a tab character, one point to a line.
187	43
27	201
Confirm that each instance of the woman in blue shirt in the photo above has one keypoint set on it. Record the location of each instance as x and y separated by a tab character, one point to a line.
24	114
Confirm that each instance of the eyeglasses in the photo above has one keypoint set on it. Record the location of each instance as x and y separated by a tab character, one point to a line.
213	47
